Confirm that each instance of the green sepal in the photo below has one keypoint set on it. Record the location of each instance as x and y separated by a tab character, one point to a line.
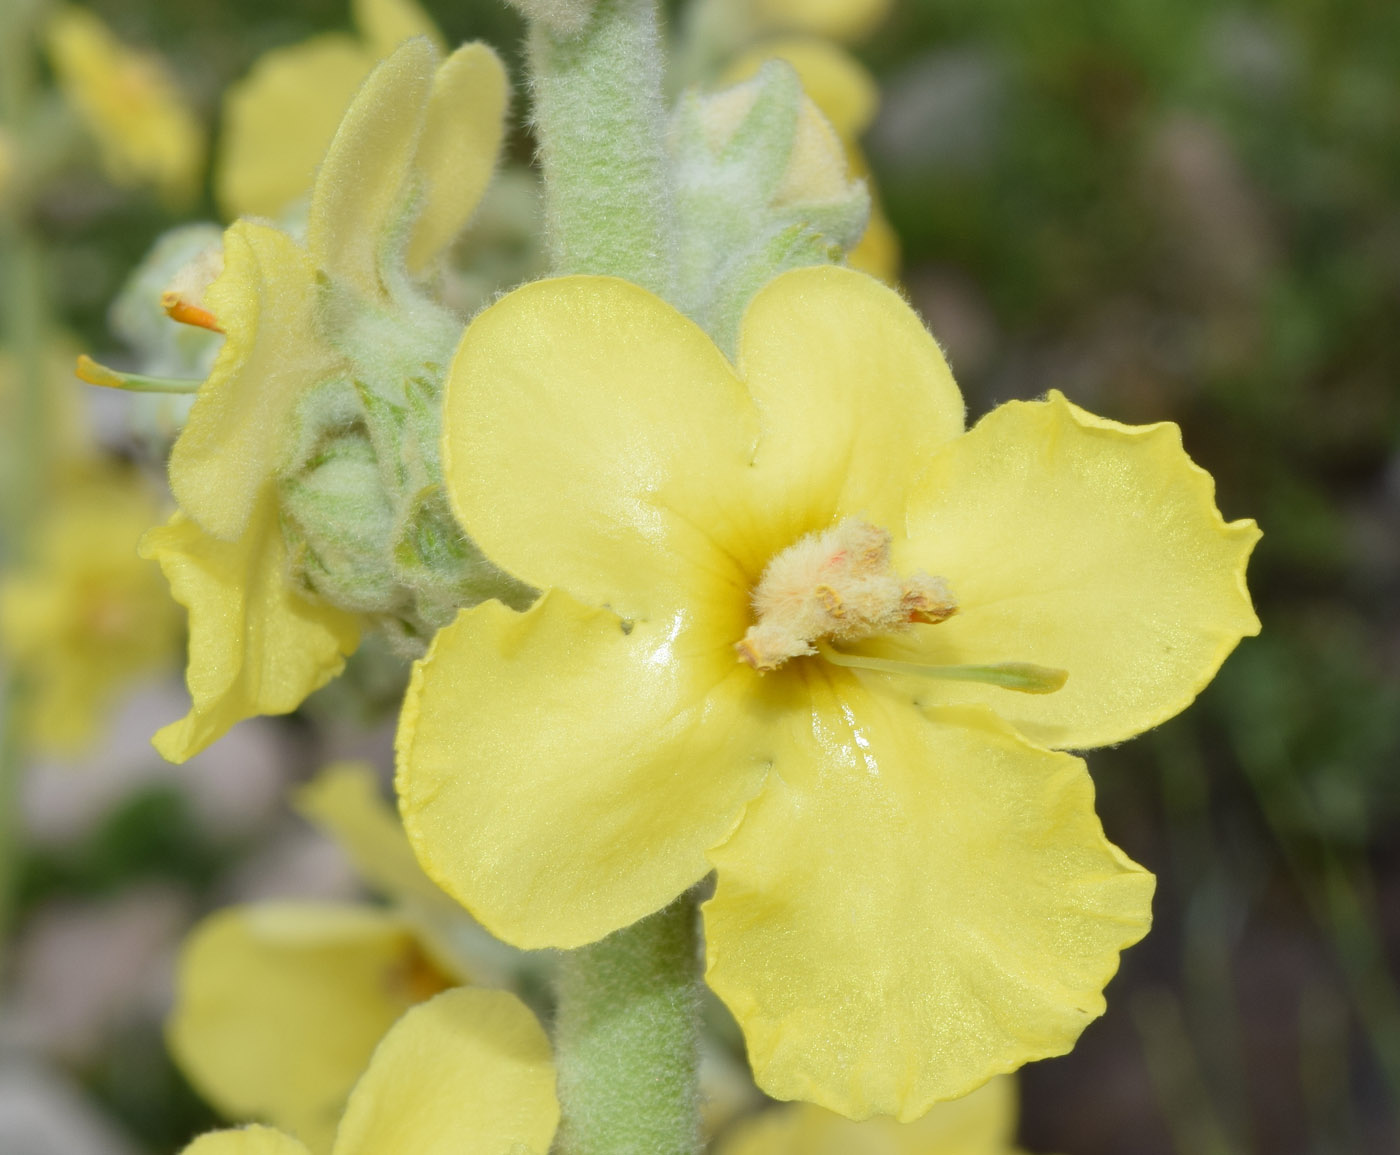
443	567
340	524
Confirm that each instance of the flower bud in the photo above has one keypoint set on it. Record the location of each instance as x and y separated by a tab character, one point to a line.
762	186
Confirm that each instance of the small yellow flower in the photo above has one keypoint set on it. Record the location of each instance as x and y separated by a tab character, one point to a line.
913	890
467	1071
279	1005
982	1123
279	120
419	132
67	439
847	95
87	615
740	21
830	19
142	122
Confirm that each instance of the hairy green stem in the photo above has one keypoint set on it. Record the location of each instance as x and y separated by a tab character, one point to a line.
627	1027
626	1039
600	121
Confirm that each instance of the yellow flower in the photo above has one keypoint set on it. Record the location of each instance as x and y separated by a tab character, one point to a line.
913	892
846	94
738	21
279	1005
279	120
982	1123
142	123
67	439
468	1072
419	132
832	19
86	616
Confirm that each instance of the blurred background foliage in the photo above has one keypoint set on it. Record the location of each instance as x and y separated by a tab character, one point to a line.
1178	210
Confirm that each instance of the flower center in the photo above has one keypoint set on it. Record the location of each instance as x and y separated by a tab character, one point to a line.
837	585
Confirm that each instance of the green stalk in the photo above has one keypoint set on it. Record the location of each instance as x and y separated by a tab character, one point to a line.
1341	900
626	1039
627	1028
600	120
23	329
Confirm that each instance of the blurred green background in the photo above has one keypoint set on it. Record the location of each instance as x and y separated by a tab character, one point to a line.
1177	210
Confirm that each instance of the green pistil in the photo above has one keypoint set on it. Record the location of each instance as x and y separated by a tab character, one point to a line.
95	373
1023	677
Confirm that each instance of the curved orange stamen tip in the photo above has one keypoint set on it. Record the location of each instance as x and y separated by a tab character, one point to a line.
95	374
181	310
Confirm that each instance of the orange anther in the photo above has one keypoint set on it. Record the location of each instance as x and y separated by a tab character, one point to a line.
187	314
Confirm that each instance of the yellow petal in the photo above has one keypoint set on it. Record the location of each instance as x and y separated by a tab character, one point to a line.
853	396
592	440
256	645
836	19
1087	546
279	120
245	1141
240	427
141	120
385	24
561	777
982	1123
360	187
85	616
344	800
468	1073
280	1005
913	905
836	82
457	152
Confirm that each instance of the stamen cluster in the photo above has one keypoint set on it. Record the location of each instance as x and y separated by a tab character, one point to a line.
837	584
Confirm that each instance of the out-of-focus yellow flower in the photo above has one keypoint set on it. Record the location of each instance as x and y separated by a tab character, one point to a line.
279	1005
279	120
87	616
728	23
467	1071
847	95
878	800
831	19
142	123
67	440
982	1123
419	132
